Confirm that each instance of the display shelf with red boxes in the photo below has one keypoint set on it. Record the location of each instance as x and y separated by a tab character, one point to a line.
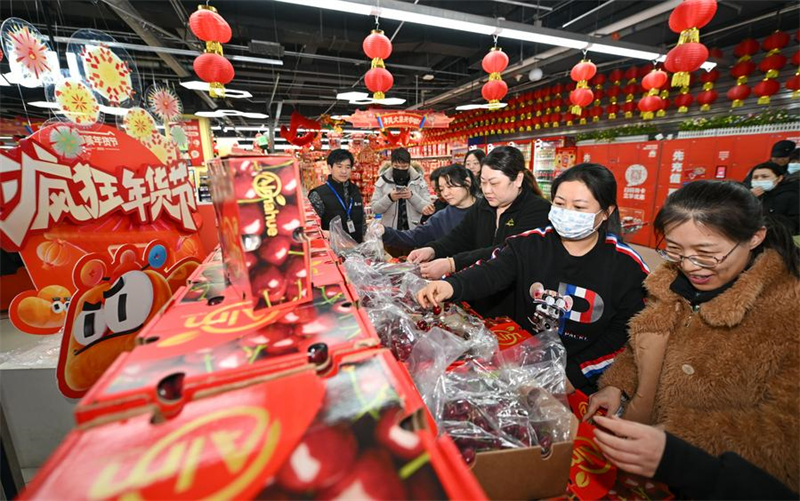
358	432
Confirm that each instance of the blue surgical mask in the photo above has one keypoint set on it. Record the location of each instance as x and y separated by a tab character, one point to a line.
793	167
572	224
765	184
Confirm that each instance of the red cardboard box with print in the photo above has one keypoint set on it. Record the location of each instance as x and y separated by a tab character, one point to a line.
259	207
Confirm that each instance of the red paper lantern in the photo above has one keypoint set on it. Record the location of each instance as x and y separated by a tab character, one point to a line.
716	53
628	108
598	80
616	76
631	73
764	89
746	48
771	65
379	81
581	98
706	99
494	90
496	61
596	112
613	93
643	70
684	59
584	70
738	94
630	90
648	105
793	84
710	76
683	101
209	26
377	45
776	41
213	68
692	14
612	110
655	80
796	58
742	70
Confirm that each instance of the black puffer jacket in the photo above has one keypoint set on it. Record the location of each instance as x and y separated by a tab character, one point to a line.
783	202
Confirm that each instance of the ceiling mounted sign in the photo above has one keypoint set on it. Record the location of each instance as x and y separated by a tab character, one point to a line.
381	119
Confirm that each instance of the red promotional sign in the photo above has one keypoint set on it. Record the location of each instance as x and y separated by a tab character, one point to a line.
194	142
401	120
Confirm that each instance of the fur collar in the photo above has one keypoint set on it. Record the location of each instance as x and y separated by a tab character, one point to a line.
729	308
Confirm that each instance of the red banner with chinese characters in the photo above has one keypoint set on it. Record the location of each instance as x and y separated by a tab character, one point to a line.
400	120
69	192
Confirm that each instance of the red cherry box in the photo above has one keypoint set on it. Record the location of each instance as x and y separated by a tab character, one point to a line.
199	345
353	434
259	206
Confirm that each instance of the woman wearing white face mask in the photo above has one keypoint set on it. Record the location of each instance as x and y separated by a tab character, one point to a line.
778	192
580	256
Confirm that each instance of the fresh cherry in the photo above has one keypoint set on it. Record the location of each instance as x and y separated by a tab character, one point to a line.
403	443
251	219
437	310
318	354
374	476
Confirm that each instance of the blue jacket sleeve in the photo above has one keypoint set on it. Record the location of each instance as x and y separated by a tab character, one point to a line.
419	236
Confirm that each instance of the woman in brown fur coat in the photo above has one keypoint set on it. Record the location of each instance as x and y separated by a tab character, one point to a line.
714	358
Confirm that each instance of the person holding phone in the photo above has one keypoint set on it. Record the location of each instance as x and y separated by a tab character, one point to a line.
401	194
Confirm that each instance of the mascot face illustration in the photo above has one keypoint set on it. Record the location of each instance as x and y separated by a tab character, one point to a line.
109	310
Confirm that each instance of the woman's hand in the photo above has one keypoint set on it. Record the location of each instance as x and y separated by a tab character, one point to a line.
609	398
422	255
436	269
636	448
429	210
434	294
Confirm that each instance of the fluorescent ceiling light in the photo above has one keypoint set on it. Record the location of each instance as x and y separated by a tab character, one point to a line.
486	106
357	97
259	60
708	65
474	27
340	117
229	113
204	86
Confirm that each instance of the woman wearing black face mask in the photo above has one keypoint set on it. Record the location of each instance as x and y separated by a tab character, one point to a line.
401	194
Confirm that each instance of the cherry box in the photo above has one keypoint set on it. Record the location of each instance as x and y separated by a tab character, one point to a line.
198	345
259	207
354	434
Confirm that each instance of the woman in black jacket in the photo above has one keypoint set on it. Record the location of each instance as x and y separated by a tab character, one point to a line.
779	194
578	256
512	204
690	472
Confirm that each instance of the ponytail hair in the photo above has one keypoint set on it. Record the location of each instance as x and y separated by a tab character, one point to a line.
511	162
602	184
732	210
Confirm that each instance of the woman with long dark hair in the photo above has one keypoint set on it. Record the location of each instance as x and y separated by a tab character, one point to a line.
581	256
512	203
714	358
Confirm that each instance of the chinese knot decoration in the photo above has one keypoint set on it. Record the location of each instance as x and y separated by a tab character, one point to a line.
378	47
494	63
689	53
652	102
582	96
212	67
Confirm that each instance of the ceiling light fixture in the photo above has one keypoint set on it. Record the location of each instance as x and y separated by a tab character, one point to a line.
356	97
441	18
204	86
428	77
230	113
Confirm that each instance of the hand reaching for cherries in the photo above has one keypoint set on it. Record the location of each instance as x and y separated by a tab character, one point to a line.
422	255
434	294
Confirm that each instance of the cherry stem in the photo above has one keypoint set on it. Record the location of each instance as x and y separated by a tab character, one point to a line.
412	466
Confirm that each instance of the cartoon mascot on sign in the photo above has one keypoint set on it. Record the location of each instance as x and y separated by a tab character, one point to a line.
113	302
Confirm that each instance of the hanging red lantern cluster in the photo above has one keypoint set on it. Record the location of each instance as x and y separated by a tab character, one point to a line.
378	80
773	62
631	86
793	83
689	53
582	96
494	63
709	95
652	102
211	66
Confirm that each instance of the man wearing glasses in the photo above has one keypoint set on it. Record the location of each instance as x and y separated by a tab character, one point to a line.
339	197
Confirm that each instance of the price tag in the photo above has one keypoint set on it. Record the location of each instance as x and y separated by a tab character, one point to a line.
351	227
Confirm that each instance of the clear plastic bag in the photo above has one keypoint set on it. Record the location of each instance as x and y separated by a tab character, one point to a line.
345	246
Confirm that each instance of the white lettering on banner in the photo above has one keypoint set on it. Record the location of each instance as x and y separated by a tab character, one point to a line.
38	193
677	167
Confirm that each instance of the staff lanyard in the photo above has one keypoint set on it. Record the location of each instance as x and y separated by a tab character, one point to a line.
346	209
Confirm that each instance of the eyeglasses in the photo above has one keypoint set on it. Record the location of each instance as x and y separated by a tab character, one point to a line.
701	261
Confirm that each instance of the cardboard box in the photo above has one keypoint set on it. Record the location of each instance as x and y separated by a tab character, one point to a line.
206	345
524	473
295	435
259	207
